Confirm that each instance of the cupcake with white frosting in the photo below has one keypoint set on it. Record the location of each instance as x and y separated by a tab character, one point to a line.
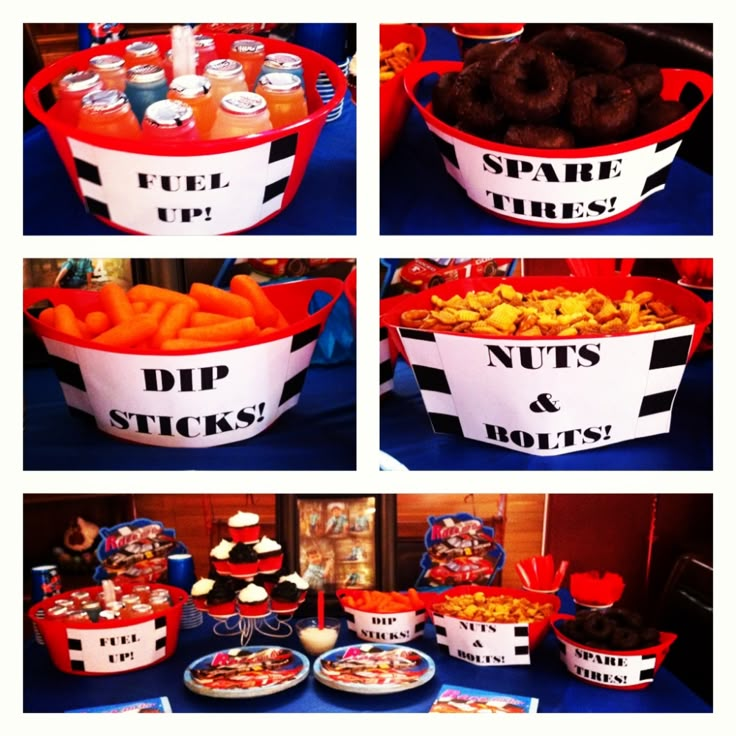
253	601
220	556
244	527
270	555
199	592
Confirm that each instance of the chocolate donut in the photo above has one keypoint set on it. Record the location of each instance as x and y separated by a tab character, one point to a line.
645	79
657	113
478	111
445	99
625	639
584	47
538	136
597	627
602	108
530	84
649	637
493	53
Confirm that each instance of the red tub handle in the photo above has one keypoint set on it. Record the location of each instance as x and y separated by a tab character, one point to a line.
417	72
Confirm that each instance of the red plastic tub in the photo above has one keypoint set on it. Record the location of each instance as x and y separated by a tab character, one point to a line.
567	187
542	395
212	187
616	670
449	634
110	647
394	103
191	398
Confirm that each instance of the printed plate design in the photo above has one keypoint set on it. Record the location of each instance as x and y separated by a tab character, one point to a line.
246	672
373	669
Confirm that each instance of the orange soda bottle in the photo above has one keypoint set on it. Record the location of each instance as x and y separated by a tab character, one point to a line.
70	91
284	95
241	113
196	91
250	53
111	70
143	52
108	112
225	75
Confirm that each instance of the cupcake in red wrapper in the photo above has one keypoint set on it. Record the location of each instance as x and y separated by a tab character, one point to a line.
286	596
220	555
243	561
221	599
267	581
270	555
244	527
199	593
301	584
253	601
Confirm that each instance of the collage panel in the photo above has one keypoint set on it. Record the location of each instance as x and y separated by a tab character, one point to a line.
197	364
551	364
468	602
547	129
137	139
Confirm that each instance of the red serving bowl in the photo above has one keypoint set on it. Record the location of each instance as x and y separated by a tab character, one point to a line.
394	102
645	664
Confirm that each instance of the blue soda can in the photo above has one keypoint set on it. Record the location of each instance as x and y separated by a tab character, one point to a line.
45	582
145	84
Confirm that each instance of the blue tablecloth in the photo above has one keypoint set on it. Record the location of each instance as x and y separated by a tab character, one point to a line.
407	436
418	196
46	689
325	203
317	434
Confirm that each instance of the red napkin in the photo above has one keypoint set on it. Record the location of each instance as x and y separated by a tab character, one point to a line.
596	589
539	573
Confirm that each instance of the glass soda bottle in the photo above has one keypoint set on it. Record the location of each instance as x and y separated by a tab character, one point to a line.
169	120
283	62
145	84
196	91
250	53
69	93
284	95
143	52
204	47
111	70
241	113
225	75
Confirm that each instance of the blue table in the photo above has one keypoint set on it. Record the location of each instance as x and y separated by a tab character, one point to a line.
407	436
317	434
46	689
325	203
418	197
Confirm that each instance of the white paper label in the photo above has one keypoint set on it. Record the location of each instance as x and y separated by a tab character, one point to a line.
183	195
608	669
547	397
484	644
556	190
386	628
116	650
188	401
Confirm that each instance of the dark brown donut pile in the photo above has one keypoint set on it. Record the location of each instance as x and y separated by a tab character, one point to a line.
568	87
615	629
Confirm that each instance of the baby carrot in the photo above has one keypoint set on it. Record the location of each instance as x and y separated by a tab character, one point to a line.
176	317
149	293
66	321
200	319
235	329
214	299
130	333
115	302
97	322
178	343
157	309
139	307
47	317
266	314
84	329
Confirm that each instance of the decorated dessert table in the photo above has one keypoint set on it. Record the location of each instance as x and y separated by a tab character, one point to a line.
46	689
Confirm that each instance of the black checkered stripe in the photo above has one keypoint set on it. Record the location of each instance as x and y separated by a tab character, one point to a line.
386	366
666	366
81	660
281	158
639	668
418	625
426	363
518	651
661	156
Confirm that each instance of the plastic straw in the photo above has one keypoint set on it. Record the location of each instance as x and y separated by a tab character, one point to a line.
320	609
183	51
